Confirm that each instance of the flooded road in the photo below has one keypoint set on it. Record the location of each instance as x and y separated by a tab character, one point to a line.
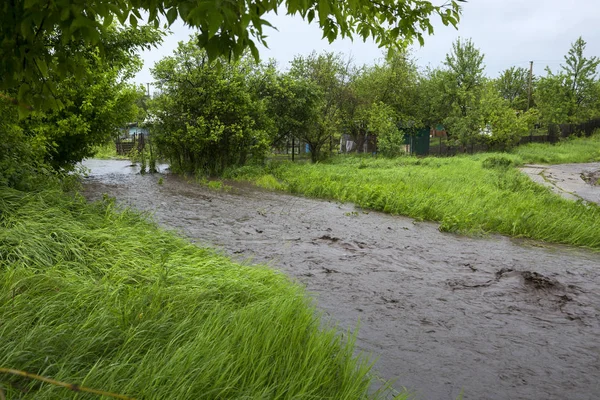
491	318
572	181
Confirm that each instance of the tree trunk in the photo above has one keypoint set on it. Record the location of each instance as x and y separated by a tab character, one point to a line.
314	153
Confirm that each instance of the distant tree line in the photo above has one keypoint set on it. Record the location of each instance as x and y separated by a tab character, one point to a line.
65	85
65	67
210	116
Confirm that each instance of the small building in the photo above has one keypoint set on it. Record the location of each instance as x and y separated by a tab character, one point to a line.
438	131
132	131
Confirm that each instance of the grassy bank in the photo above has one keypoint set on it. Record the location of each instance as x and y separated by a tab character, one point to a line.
577	150
107	300
467	194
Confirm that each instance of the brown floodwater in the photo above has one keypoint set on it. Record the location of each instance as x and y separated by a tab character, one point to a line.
445	315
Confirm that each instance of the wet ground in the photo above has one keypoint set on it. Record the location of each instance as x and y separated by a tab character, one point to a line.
572	181
491	318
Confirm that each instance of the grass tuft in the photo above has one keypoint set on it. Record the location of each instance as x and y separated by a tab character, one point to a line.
269	182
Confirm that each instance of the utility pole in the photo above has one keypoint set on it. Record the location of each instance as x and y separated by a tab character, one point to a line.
148	86
530	83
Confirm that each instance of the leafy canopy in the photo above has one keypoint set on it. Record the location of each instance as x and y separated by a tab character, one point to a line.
89	107
328	74
37	34
513	85
460	85
573	93
208	116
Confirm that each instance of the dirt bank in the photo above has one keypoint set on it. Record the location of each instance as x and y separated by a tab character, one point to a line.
492	318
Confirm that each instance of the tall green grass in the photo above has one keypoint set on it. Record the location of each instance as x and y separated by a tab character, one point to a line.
468	194
105	299
575	150
107	152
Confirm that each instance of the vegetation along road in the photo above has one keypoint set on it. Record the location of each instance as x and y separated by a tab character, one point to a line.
488	317
100	298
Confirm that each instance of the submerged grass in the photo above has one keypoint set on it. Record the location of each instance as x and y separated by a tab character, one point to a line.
105	299
576	150
468	194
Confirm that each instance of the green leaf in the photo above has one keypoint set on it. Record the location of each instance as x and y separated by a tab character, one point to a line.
245	21
23	112
26	30
108	19
43	67
133	21
214	23
24	90
65	13
80	21
254	51
171	15
324	11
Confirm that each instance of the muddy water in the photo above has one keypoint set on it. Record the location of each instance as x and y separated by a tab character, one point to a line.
491	318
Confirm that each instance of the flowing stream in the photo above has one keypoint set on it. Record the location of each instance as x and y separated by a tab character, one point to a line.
445	315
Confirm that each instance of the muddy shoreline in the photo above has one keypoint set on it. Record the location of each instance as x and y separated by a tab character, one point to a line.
491	318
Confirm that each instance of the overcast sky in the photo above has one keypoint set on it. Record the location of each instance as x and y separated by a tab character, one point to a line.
508	32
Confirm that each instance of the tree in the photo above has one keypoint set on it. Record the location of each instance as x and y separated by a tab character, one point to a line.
328	75
94	103
389	89
513	86
554	99
35	35
382	122
580	75
294	106
571	94
399	86
462	85
95	108
207	116
503	126
465	65
435	88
